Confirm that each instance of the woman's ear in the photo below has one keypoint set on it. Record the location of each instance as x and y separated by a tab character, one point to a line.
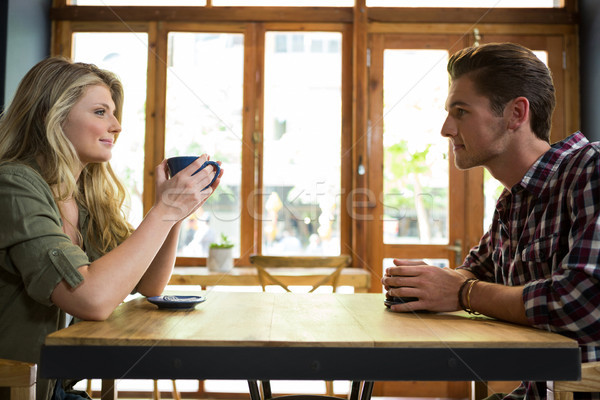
517	111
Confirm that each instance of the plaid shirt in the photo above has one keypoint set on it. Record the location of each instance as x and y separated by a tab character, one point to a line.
545	235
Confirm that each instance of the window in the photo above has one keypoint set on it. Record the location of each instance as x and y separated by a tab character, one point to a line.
204	101
284	93
124	53
302	146
282	96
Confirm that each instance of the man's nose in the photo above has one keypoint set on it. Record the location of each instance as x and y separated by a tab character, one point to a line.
448	128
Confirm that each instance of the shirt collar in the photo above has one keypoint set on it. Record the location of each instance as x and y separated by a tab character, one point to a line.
545	167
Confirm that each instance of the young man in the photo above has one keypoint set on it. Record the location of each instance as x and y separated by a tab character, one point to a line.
538	264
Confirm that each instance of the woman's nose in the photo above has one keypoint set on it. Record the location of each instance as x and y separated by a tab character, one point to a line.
115	126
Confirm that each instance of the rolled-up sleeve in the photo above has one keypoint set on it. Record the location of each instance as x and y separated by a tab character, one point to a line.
32	242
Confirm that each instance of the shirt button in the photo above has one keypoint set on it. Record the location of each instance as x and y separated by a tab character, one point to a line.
54	252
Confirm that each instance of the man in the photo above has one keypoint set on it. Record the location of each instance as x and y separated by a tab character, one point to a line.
538	264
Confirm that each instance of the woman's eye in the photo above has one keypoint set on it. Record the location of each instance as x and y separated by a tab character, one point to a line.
100	112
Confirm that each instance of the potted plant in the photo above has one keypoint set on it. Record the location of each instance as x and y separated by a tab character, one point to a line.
220	255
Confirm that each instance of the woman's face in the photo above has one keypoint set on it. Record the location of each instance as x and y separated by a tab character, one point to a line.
91	125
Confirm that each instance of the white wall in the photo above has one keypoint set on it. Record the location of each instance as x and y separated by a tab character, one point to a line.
27	40
590	67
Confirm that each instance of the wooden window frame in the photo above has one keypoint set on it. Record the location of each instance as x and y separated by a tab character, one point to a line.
356	24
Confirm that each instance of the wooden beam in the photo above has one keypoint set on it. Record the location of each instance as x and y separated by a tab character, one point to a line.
205	14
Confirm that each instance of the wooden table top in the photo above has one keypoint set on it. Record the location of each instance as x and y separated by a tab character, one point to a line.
285	319
356	326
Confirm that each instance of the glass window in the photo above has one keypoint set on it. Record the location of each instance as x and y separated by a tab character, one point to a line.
466	3
285	3
126	55
302	146
204	115
415	86
258	3
138	2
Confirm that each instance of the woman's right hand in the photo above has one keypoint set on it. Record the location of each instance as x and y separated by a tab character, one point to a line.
183	194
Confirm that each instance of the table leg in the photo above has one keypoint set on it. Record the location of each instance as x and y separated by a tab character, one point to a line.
354	393
254	392
367	390
266	389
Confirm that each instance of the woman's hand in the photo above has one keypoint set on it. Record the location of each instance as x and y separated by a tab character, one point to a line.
184	193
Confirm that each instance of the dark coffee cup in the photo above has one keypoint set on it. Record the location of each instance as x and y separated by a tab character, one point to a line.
391	300
176	164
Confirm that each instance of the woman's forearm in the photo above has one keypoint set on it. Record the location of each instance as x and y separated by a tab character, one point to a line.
109	279
158	274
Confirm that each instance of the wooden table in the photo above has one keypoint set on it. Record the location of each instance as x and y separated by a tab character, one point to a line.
258	336
358	278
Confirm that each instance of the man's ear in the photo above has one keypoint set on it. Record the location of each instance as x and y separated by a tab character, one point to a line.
517	112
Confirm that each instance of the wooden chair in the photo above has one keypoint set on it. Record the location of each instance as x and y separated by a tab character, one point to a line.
20	377
590	382
337	263
109	390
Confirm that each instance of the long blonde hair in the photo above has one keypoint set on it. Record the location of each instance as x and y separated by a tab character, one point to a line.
31	133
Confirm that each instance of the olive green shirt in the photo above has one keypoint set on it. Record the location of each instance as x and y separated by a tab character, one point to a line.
35	255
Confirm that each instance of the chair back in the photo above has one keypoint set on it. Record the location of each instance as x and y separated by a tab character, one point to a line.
20	377
590	382
332	265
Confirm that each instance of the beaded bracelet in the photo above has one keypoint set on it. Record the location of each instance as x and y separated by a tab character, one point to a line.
460	293
469	309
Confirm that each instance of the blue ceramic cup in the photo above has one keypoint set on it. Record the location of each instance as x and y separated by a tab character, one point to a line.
176	164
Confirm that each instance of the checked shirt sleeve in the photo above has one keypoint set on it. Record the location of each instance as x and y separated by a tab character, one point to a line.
568	302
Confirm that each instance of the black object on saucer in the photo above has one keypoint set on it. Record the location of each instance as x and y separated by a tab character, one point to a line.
178	302
390	301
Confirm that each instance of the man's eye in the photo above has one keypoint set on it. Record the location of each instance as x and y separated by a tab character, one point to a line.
460	112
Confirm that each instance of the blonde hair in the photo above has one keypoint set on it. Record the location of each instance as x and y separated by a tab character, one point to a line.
31	133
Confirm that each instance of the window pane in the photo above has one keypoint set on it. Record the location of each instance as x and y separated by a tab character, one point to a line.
302	144
204	115
466	3
285	3
415	86
138	2
126	55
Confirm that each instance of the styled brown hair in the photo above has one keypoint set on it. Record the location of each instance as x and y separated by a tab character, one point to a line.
504	71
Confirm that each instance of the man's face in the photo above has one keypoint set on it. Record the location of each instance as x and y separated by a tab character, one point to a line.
477	133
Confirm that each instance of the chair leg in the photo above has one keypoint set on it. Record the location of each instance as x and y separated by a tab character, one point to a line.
329	388
108	390
22	392
479	390
156	393
176	395
88	387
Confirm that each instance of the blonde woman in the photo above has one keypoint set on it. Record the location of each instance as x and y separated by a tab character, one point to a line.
66	248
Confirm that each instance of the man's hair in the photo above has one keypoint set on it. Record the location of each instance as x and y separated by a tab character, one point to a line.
504	71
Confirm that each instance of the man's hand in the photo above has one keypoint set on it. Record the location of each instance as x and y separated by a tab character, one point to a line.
435	288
